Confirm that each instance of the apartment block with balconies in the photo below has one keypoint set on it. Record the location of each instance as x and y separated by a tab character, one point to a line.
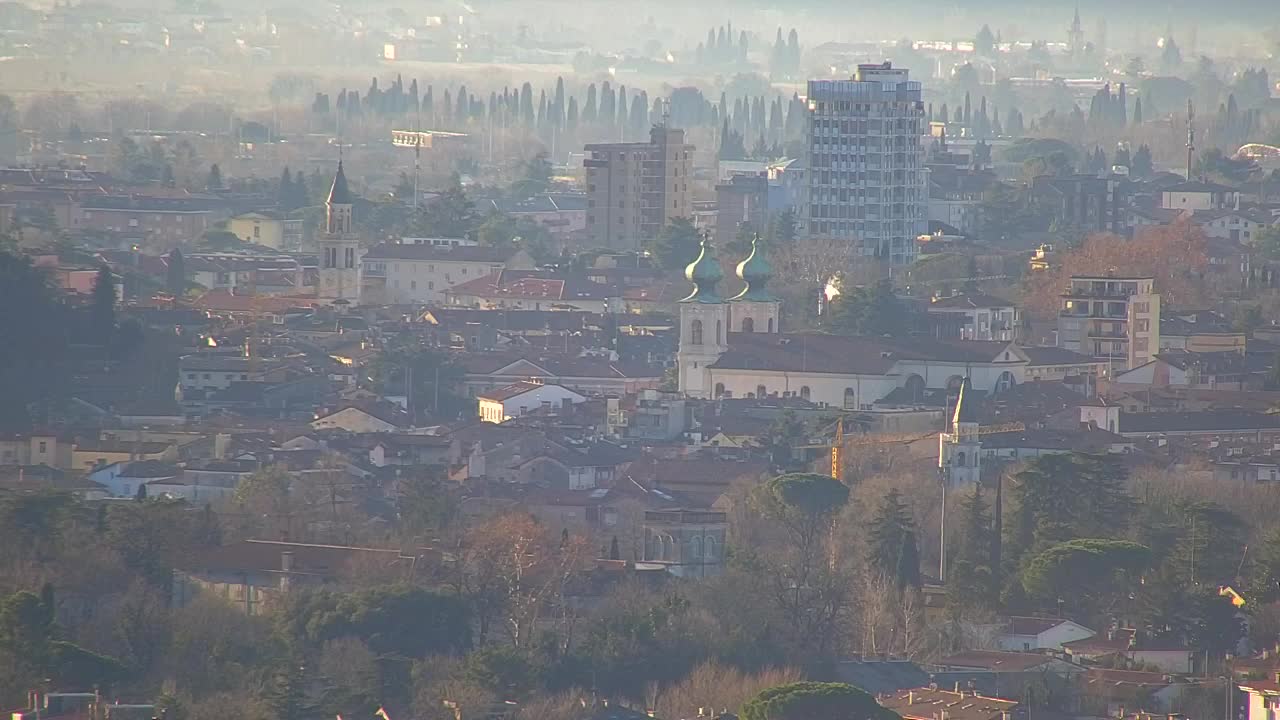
1112	319
866	179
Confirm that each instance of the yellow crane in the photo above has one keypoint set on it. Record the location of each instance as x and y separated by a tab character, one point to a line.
840	441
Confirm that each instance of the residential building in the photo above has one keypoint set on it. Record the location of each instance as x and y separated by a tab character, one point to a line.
648	415
1197	195
1200	332
267	227
1085	202
563	215
518	399
1024	634
691	543
979	317
743	199
934	703
537	290
1264	697
253	574
636	189
339	247
588	375
424	272
1235	224
866	176
169	221
1206	371
210	371
92	453
364	417
400	449
1103	692
1113	319
1130	646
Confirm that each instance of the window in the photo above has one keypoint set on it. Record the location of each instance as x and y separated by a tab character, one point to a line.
770	324
44	446
960	459
351	257
696	547
761	391
804	392
718	333
850	398
695	332
748	325
719	390
709	548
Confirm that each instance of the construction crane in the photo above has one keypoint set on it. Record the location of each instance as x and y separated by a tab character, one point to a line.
840	442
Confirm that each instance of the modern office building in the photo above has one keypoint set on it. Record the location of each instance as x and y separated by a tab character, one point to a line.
1114	319
866	176
635	189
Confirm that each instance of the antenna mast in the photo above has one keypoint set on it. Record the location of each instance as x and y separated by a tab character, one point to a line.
1191	136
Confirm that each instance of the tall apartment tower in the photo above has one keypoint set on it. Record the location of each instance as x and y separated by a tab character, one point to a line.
1112	319
866	179
339	247
636	189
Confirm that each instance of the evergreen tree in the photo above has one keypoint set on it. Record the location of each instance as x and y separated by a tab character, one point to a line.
1122	156
176	274
557	112
608	105
103	305
285	193
526	105
301	196
894	553
985	42
571	116
589	110
971	574
1142	166
214	181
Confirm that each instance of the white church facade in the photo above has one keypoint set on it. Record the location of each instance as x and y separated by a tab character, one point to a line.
734	348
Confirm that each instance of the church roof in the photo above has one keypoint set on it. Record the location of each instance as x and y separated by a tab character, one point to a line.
339	193
755	272
966	411
705	274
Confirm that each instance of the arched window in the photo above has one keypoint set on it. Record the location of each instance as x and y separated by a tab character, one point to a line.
666	547
804	392
719	389
915	388
1005	381
719	333
709	548
954	382
850	398
695	332
761	392
960	459
770	324
695	548
748	325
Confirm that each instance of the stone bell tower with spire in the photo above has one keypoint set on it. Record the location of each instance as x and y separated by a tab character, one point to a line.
704	325
339	246
755	309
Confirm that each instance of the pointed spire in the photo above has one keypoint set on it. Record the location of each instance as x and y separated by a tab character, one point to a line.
965	412
705	274
755	272
339	194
